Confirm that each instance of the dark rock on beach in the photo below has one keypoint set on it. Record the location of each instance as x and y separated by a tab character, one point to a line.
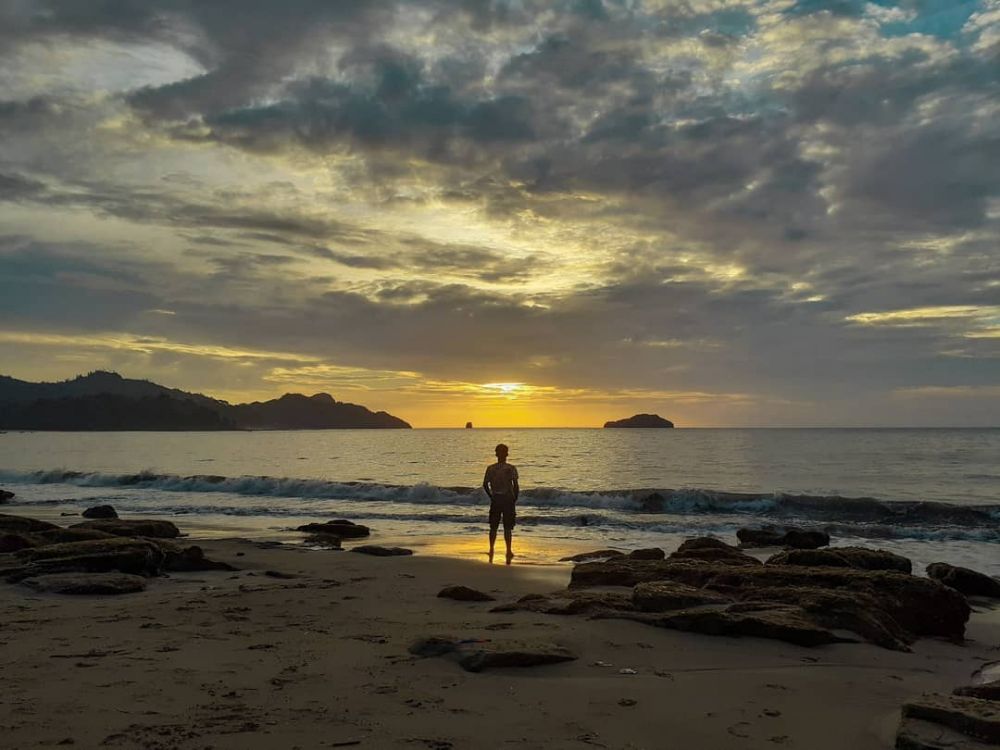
710	549
377	551
5	496
969	582
59	535
87	583
339	528
989	691
664	596
600	554
23	525
100	511
476	656
154	528
972	717
326	541
135	556
570	602
15	542
641	421
187	559
844	557
650	553
464	594
794	538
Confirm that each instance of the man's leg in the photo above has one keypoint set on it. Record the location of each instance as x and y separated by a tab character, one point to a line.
494	524
508	537
493	539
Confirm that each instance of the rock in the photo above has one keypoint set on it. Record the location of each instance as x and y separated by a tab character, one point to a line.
663	596
464	594
135	556
100	511
60	535
783	622
650	553
5	496
326	541
969	582
600	554
653	503
771	537
570	603
23	525
973	717
921	606
844	557
710	549
479	655
15	542
989	691
640	420
179	559
153	528
914	734
340	528
374	549
87	583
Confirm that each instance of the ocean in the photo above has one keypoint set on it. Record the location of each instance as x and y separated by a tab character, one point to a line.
930	494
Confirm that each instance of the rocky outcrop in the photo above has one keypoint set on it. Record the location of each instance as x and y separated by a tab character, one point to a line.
794	538
479	656
649	553
641	421
969	582
377	551
464	594
6	496
23	525
915	734
100	511
87	583
15	542
920	606
709	549
989	691
843	557
136	556
59	535
570	602
972	717
191	559
338	528
600	554
326	541
153	528
664	596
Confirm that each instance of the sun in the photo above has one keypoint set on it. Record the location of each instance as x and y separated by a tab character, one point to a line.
507	389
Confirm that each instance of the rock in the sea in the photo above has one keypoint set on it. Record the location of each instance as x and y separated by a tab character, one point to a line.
664	596
969	582
340	528
136	556
15	542
973	717
710	549
570	602
989	691
794	538
464	594
640	420
921	606
844	557
476	656
87	583
649	553
377	551
153	528
599	554
6	495
100	511
23	525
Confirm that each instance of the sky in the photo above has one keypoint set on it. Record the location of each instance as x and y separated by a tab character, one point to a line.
511	212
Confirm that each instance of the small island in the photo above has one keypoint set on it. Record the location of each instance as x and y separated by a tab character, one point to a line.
641	420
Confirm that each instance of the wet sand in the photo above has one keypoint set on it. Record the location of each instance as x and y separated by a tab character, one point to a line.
320	660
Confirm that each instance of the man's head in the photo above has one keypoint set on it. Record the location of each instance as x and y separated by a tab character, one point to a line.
501	451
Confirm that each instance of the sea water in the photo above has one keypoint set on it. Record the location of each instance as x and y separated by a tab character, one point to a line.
931	494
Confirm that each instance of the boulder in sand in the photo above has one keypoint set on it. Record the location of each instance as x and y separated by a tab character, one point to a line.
476	656
23	525
989	691
135	556
326	541
664	596
794	537
180	559
100	511
339	528
60	535
377	551
570	602
154	528
464	594
15	542
649	553
972	717
599	554
969	582
87	583
710	549
5	496
844	557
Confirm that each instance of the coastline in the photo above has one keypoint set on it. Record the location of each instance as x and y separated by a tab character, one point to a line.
319	659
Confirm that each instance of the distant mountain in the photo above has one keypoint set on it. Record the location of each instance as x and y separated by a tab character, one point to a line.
641	420
107	401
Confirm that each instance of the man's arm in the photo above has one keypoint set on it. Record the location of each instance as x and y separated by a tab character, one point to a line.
515	485
486	483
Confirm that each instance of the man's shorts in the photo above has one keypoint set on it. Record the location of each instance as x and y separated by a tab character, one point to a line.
502	509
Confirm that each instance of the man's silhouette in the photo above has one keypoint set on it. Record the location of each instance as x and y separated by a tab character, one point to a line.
500	484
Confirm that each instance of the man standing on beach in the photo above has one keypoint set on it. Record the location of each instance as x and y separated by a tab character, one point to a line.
501	485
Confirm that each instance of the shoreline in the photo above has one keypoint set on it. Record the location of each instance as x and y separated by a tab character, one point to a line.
319	658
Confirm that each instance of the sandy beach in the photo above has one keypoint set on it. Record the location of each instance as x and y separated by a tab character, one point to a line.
318	657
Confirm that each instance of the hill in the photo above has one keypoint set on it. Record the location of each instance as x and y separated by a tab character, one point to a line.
107	401
641	420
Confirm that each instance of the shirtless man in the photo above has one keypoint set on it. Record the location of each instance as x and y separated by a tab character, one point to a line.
500	484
